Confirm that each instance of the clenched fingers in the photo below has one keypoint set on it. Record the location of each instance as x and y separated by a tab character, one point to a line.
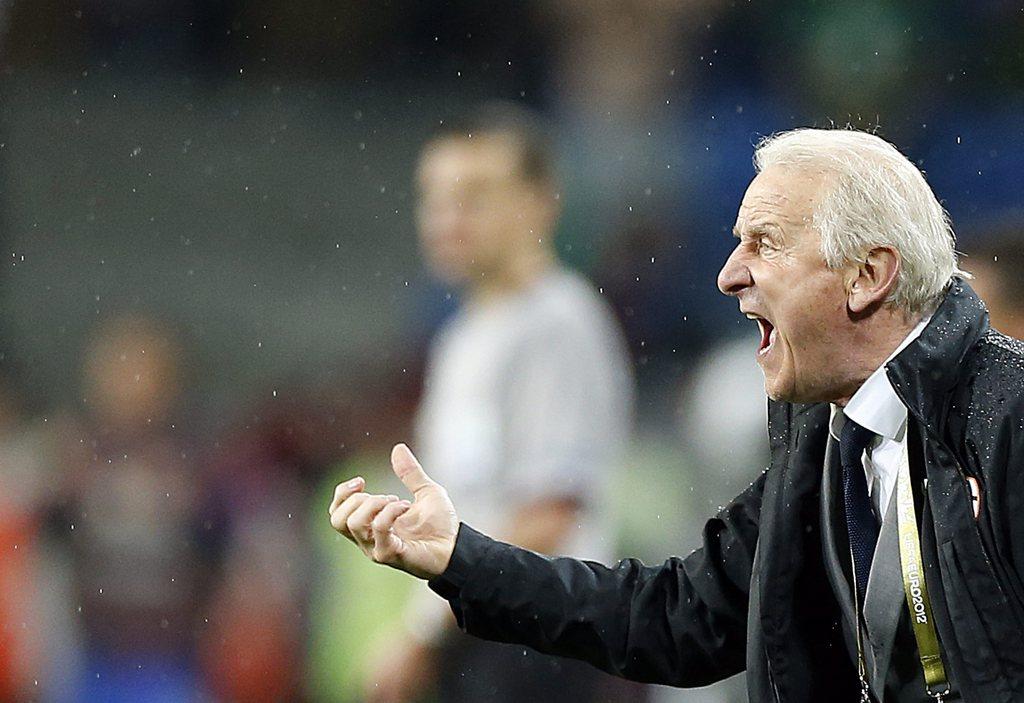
341	514
344	490
358	522
384	543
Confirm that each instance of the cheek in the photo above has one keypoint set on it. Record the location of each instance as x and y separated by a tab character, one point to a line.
816	346
812	315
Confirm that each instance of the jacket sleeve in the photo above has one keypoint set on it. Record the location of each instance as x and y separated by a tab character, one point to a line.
682	623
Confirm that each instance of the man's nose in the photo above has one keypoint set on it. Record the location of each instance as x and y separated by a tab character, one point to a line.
734	276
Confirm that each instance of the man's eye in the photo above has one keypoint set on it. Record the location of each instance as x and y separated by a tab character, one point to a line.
764	245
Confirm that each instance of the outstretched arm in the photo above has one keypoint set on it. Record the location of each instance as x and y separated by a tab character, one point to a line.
681	623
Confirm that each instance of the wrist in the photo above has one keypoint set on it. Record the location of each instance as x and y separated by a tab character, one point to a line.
470	548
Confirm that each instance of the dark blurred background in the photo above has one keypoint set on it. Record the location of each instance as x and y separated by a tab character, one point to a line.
227	186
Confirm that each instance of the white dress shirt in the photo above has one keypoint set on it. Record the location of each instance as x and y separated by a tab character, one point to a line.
876	407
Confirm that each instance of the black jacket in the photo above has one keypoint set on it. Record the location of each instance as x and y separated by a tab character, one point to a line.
692	621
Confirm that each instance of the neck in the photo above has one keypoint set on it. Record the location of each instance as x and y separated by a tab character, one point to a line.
516	275
872	346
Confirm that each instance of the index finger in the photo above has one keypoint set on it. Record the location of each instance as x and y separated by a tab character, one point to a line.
344	490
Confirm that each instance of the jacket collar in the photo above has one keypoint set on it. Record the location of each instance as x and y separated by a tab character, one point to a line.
923	374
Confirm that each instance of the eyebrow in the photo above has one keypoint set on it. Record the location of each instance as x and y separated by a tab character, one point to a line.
750	231
764	229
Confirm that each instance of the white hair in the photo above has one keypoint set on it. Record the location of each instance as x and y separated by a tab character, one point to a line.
875	197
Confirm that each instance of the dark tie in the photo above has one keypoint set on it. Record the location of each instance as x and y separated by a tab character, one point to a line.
861	522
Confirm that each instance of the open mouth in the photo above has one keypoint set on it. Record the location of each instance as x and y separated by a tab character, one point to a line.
767	330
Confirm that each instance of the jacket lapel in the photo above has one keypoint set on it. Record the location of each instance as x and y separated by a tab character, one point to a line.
798	618
830	543
883	603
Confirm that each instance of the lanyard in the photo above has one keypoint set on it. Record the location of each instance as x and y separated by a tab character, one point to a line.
915	588
916	591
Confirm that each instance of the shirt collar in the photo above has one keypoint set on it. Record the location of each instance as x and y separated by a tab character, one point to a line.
875	405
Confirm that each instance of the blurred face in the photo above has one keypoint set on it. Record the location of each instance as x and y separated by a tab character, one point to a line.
779	277
475	213
130	376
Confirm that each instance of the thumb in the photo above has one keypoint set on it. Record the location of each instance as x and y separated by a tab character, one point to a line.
408	469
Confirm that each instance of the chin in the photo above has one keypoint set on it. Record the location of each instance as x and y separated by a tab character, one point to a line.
782	391
791	394
781	396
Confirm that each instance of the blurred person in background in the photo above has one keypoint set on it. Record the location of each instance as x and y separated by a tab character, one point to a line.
527	402
143	529
265	468
998	266
27	651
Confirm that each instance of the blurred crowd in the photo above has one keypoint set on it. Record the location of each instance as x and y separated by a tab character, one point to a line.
162	498
144	561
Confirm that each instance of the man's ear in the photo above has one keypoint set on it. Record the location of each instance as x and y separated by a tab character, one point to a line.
873	279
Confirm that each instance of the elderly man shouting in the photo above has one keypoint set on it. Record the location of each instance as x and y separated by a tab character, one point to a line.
879	557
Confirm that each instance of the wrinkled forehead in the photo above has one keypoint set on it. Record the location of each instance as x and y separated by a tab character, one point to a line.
783	197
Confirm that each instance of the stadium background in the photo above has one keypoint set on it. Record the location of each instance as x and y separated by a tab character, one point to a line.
235	179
